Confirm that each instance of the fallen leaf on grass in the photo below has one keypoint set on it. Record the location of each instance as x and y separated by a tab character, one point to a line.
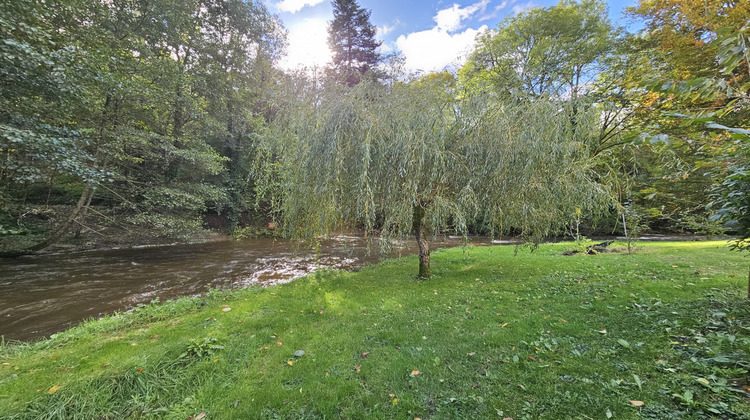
472	353
358	368
415	372
140	370
54	389
704	381
364	354
504	325
290	363
637	403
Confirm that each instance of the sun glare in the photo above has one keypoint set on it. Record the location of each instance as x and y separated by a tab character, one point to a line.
308	45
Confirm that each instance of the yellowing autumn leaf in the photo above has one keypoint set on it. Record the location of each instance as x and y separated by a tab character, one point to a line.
704	381
415	372
637	403
290	363
504	325
55	389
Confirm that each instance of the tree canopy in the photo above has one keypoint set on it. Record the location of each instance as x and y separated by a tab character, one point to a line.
413	160
142	103
542	51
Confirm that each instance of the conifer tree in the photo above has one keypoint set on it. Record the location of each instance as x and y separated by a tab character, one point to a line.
351	37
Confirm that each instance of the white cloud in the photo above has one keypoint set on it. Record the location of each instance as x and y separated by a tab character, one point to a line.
496	10
442	46
385	30
523	7
308	45
450	19
435	49
294	6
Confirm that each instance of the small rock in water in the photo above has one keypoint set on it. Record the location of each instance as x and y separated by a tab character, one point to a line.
299	353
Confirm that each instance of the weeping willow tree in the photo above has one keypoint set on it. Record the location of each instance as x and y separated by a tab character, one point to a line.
414	160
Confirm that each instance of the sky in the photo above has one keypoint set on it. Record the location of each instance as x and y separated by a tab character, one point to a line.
431	35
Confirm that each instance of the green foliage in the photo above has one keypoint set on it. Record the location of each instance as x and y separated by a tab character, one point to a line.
552	51
367	157
202	348
150	105
728	87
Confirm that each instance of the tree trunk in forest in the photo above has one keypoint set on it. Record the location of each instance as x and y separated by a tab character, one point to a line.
82	217
420	232
88	192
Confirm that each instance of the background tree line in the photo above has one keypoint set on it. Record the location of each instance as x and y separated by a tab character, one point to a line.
157	116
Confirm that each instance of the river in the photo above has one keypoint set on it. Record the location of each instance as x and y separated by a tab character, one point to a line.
44	294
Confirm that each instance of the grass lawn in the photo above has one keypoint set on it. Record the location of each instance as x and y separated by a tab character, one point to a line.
662	333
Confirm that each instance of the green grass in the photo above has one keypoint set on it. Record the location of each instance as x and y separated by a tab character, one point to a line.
492	335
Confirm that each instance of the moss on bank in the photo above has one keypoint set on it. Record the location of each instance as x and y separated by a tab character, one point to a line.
532	336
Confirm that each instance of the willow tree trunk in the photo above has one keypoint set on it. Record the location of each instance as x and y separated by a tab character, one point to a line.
420	232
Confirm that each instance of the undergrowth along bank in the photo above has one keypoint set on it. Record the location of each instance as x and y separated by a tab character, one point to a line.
660	333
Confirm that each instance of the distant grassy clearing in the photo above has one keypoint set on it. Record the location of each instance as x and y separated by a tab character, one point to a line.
528	336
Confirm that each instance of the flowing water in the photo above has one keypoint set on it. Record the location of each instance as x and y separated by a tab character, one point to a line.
44	294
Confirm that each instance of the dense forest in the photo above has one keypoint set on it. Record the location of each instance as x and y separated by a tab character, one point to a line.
133	121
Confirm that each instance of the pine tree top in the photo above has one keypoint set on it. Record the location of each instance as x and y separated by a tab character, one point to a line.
351	38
